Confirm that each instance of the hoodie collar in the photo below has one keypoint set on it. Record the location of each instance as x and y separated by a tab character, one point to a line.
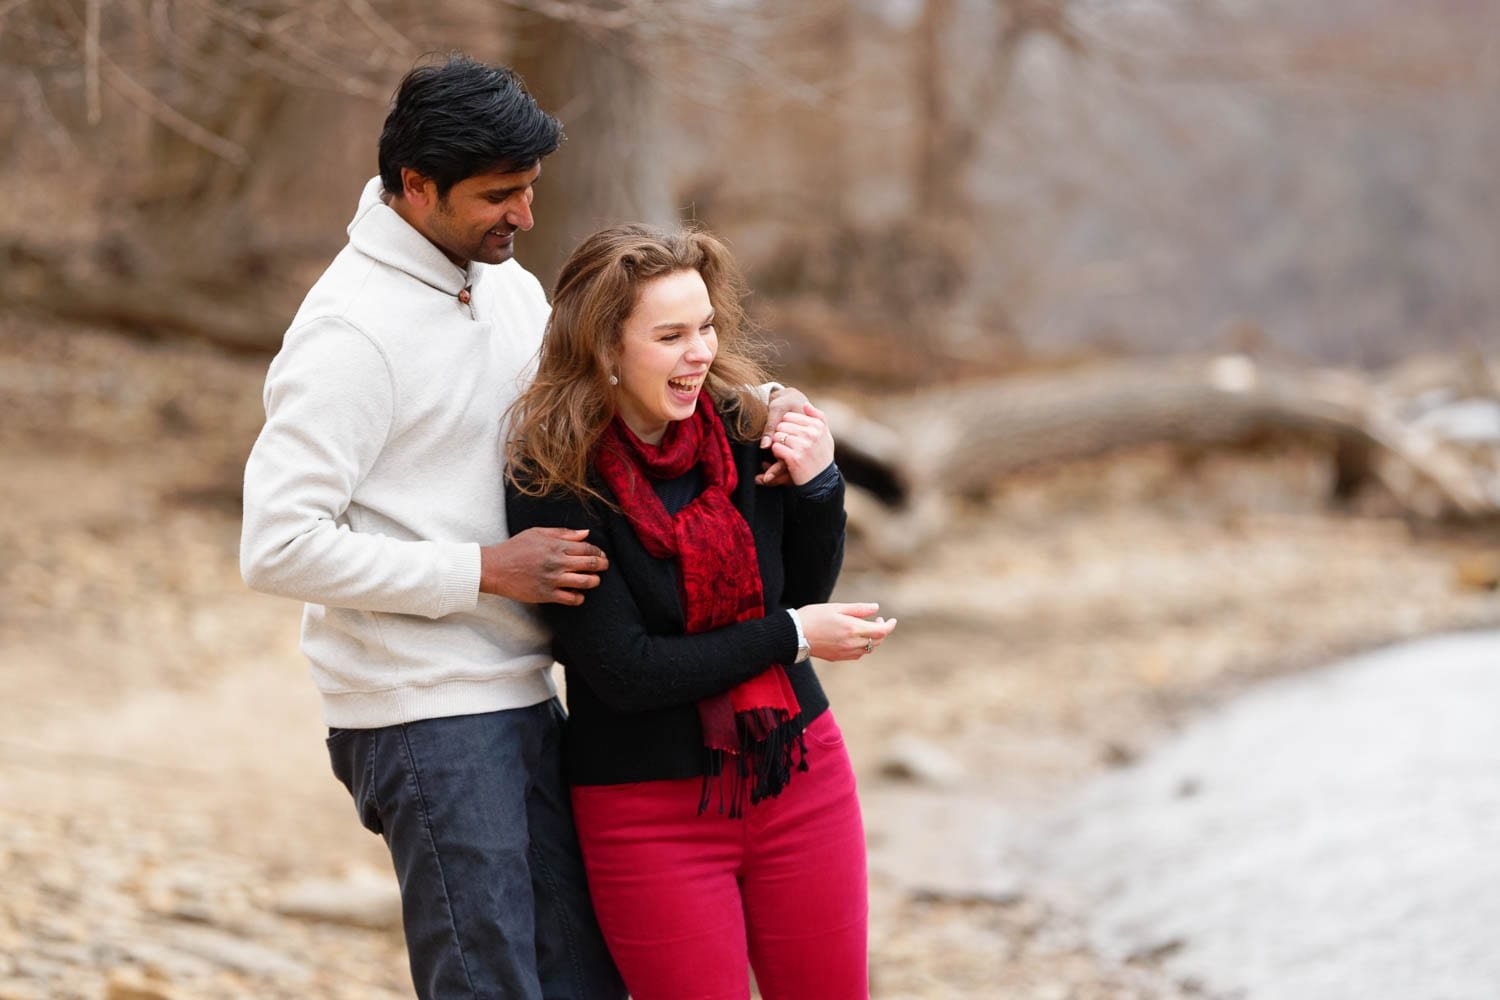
378	231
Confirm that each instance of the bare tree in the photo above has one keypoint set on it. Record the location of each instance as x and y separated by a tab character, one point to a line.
594	74
184	122
221	141
922	188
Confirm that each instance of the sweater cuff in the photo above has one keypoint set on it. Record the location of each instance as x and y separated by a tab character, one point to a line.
765	390
802	642
822	486
460	582
786	629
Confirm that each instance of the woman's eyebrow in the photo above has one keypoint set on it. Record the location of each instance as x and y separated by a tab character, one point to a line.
678	324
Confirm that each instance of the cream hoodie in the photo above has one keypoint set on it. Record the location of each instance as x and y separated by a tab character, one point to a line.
378	475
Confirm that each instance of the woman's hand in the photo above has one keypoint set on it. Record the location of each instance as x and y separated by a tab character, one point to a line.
843	631
804	443
784	399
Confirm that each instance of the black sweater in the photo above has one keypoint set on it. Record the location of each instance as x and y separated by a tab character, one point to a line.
634	678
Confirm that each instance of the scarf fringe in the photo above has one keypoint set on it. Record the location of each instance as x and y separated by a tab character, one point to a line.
759	768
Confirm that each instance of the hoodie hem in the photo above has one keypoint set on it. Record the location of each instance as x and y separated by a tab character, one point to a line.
376	709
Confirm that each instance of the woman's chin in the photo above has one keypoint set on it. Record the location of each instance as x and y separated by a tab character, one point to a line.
682	410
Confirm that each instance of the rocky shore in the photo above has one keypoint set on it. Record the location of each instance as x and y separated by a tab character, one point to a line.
169	828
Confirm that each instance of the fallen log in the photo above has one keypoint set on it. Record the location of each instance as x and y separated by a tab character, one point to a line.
74	285
914	453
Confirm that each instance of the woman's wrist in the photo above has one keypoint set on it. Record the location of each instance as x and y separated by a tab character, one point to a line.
821	486
804	648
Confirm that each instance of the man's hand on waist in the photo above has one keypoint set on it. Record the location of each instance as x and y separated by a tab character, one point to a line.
542	566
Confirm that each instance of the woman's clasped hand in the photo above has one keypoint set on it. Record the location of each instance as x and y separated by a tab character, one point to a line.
844	631
804	443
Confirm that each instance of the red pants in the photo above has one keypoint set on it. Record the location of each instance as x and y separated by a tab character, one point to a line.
687	902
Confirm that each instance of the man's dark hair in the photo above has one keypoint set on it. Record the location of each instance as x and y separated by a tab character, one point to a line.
460	118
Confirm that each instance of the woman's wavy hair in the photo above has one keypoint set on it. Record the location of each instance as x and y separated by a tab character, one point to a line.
555	423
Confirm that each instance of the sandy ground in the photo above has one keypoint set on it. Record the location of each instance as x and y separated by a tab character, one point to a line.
164	792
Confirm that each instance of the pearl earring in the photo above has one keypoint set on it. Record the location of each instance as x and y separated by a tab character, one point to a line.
614	380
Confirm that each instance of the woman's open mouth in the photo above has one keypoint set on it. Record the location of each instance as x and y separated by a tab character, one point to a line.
685	388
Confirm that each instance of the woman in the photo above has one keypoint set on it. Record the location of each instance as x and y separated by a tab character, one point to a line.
712	792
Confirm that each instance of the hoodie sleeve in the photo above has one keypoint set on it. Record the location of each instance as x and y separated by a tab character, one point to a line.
330	404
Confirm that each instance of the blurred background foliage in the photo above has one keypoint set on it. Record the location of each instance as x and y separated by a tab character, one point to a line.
920	188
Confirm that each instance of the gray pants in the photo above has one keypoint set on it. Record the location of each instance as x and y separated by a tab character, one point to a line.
477	819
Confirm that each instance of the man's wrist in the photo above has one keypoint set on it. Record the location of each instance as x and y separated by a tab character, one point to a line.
766	390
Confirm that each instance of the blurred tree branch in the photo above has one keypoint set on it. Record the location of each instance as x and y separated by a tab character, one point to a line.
209	79
938	183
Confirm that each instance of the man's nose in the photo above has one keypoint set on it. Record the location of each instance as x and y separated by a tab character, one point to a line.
520	215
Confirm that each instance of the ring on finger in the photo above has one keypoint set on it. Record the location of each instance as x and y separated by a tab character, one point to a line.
781	437
869	645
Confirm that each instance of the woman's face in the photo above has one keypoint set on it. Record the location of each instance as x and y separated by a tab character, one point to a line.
666	349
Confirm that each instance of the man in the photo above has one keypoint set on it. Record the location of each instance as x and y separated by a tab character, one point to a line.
374	494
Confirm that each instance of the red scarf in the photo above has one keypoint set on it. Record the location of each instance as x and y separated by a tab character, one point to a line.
719	584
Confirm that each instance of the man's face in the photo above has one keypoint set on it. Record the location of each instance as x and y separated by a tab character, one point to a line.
480	215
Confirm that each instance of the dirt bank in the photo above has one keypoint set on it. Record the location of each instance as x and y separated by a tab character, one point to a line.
164	794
